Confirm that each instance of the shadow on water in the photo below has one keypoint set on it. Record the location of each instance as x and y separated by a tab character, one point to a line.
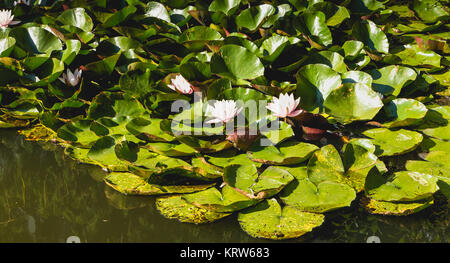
47	197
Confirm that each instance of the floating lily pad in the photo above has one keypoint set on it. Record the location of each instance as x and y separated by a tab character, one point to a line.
131	184
442	133
314	83
229	200
394	142
398	209
170	149
246	180
405	186
289	152
269	220
253	17
325	165
391	79
236	62
373	37
175	207
353	102
404	112
324	196
359	160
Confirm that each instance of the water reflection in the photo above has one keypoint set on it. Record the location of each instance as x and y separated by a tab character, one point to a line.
47	197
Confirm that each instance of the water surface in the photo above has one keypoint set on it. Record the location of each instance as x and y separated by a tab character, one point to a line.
47	197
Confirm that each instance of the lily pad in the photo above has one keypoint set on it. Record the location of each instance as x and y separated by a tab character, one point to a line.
325	165
131	184
404	112
405	186
236	62
391	79
246	180
269	220
174	207
229	200
373	37
286	153
318	198
398	209
314	83
353	102
391	142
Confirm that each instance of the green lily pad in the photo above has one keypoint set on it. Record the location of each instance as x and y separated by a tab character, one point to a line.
404	112
413	55
149	129
225	6
269	220
131	184
368	32
334	14
170	149
236	62
391	79
81	131
175	207
352	49
314	25
318	198
286	153
398	209
110	152
405	186
246	180
195	37
357	77
429	11
394	142
6	46
78	18
353	102
253	17
229	200
442	133
431	168
325	165
432	145
359	160
314	83
231	157
36	40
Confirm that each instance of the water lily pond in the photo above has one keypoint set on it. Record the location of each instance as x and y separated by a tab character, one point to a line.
213	120
48	197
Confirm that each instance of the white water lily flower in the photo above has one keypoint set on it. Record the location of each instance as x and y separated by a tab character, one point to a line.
6	18
25	2
285	106
70	78
223	111
180	84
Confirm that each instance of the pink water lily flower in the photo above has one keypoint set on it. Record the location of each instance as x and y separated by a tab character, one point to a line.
70	78
6	19
223	111
284	106
181	85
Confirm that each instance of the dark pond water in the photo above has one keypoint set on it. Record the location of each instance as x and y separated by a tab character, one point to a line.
47	197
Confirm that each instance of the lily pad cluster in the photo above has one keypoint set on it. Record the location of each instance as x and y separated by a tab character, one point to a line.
100	78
